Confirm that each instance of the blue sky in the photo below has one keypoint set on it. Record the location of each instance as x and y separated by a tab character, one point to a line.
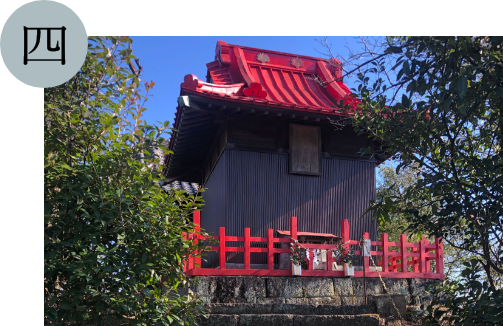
166	60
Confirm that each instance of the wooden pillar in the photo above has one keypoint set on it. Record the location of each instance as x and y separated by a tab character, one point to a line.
197	232
345	236
415	265
439	260
222	248
270	249
247	248
329	259
384	238
422	257
403	249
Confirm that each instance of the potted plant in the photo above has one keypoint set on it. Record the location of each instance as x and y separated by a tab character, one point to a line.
348	256
297	255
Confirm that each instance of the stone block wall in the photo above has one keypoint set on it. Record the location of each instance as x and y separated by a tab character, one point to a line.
302	290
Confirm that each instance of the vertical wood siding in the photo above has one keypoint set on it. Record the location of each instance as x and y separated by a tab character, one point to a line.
255	190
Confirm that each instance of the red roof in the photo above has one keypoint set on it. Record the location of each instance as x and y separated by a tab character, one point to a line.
270	78
309	234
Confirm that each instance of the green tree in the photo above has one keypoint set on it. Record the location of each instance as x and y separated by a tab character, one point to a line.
436	102
394	185
111	233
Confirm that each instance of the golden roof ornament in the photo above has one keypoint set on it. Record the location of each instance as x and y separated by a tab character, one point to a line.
262	57
296	62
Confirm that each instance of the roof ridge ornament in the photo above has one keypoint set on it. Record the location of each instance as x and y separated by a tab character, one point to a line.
255	90
296	62
262	57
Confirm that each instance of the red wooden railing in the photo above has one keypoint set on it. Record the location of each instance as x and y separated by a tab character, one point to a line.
396	262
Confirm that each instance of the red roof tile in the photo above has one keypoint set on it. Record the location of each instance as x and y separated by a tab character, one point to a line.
272	78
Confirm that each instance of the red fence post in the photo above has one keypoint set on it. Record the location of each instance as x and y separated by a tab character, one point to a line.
345	235
422	257
293	232
366	236
247	248
403	249
439	260
415	265
428	265
329	260
270	249
384	238
222	248
310	261
197	231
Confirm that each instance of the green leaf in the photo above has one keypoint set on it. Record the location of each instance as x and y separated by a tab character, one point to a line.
394	49
499	91
462	86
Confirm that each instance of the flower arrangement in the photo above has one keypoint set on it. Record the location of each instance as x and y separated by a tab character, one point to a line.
297	253
347	255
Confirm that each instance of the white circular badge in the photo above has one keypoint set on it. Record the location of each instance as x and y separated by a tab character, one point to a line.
43	43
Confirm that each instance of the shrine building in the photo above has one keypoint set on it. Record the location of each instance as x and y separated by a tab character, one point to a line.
262	133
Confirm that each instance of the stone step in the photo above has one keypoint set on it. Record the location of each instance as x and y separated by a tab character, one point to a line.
288	309
290	320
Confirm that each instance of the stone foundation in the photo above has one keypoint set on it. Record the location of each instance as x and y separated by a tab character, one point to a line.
303	290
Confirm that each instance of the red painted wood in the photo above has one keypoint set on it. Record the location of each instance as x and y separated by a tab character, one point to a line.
403	248
419	254
234	249
222	248
399	275
247	248
258	239
270	249
197	231
422	258
345	235
415	265
366	236
227	238
293	235
439	261
384	238
243	272
259	250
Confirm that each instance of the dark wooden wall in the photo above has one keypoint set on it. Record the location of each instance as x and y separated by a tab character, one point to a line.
255	189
